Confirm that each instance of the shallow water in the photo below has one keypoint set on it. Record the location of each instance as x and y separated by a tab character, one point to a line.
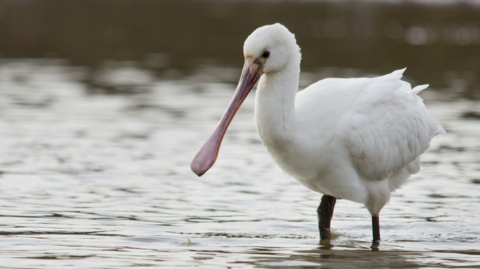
103	181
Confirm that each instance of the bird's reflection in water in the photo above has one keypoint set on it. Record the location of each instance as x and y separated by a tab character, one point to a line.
327	255
326	244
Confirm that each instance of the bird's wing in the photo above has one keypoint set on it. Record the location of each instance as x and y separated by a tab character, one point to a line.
386	127
380	122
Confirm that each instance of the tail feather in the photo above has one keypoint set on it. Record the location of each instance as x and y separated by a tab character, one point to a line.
399	71
419	88
440	129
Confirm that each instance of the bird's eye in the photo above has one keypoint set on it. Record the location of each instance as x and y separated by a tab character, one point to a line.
266	54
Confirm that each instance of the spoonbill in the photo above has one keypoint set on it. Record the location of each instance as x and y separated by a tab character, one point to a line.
357	139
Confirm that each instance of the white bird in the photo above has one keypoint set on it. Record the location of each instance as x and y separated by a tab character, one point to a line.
356	139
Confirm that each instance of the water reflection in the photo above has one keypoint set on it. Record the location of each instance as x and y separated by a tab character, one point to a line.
345	257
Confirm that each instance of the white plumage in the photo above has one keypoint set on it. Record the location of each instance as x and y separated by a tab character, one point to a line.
357	139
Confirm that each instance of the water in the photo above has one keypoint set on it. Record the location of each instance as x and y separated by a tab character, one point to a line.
103	181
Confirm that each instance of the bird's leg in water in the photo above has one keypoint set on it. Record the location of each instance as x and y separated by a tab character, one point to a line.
376	230
325	213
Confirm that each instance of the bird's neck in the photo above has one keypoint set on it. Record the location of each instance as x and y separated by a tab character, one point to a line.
275	104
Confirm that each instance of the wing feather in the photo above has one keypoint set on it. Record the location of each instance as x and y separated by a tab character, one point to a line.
382	123
387	127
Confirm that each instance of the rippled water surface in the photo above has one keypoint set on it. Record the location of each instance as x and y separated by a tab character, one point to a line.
103	181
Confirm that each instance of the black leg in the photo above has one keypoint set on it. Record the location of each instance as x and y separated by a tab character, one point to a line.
325	213
376	230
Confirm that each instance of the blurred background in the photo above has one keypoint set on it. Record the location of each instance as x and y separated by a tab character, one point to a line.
104	103
438	41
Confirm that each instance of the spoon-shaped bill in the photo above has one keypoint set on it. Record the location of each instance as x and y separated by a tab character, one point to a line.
207	155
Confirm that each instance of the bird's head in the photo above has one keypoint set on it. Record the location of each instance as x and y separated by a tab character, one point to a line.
267	50
271	47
